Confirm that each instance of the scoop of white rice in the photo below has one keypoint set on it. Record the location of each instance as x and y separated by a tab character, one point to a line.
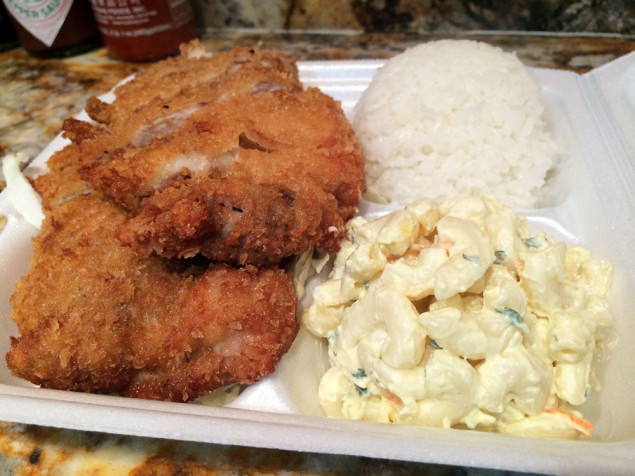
455	117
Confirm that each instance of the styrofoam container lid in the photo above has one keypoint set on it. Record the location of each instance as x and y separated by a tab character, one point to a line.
593	205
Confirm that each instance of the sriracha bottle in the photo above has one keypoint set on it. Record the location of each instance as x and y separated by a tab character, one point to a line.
144	30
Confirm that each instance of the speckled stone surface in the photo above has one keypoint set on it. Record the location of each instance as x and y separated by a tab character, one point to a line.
450	16
29	450
36	96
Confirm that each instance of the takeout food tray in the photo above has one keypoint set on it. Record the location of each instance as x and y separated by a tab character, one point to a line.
591	203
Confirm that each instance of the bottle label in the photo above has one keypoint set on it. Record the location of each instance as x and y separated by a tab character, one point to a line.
140	18
42	18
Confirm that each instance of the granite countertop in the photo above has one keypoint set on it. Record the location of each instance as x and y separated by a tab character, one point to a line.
37	95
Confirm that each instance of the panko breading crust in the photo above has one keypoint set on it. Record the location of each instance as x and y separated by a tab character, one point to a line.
157	100
101	311
249	180
235	121
94	317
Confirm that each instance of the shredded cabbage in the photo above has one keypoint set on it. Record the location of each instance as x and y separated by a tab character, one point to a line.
26	200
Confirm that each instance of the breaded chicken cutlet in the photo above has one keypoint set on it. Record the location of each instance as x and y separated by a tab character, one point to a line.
158	100
101	311
249	180
94	317
236	163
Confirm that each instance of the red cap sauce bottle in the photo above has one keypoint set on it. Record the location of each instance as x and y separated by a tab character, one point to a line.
54	28
144	30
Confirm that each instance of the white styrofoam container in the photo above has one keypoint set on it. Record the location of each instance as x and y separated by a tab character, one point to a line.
593	204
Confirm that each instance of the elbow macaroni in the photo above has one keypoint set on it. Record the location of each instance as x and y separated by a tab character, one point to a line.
454	315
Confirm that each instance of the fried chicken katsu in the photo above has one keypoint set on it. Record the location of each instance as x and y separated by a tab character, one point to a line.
249	180
94	317
235	162
159	99
157	271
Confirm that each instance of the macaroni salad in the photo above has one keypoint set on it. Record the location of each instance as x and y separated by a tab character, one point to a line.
456	315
